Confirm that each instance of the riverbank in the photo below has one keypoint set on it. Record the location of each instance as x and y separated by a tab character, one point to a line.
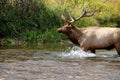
16	44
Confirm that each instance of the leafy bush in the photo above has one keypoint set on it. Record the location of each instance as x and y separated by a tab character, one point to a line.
19	17
38	20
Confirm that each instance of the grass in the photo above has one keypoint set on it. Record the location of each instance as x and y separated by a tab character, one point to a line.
50	35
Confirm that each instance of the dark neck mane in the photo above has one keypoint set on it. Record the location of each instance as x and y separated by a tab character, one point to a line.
74	35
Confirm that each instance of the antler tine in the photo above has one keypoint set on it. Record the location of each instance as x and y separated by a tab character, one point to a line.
84	14
72	18
64	19
91	13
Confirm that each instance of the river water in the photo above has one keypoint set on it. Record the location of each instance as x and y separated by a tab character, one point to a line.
71	64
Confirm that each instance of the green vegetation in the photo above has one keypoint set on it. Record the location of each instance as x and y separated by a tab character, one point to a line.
38	20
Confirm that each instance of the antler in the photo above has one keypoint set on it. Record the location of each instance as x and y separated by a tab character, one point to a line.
64	19
85	13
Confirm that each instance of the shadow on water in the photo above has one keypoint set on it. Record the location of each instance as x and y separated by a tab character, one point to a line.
71	64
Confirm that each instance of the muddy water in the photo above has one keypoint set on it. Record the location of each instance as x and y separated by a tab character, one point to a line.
72	64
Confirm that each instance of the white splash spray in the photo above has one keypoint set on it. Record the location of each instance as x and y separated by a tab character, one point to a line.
76	52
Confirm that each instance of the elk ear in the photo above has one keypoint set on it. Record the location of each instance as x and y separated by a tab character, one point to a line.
71	25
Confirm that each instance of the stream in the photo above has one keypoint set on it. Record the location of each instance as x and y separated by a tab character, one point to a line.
70	64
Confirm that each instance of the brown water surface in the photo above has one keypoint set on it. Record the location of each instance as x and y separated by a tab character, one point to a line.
21	64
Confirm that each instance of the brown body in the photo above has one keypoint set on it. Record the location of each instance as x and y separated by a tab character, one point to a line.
93	38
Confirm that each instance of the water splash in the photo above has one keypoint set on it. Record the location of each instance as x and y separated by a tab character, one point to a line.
76	52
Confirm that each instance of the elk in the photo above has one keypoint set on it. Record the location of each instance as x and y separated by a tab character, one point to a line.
91	38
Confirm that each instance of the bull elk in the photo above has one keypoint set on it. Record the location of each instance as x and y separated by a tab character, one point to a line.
91	38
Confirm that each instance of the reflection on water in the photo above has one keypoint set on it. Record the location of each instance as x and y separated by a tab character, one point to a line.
73	64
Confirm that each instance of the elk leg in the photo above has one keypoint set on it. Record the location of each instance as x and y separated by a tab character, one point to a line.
84	49
93	51
117	47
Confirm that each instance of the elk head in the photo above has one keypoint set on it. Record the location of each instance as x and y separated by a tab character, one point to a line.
69	24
